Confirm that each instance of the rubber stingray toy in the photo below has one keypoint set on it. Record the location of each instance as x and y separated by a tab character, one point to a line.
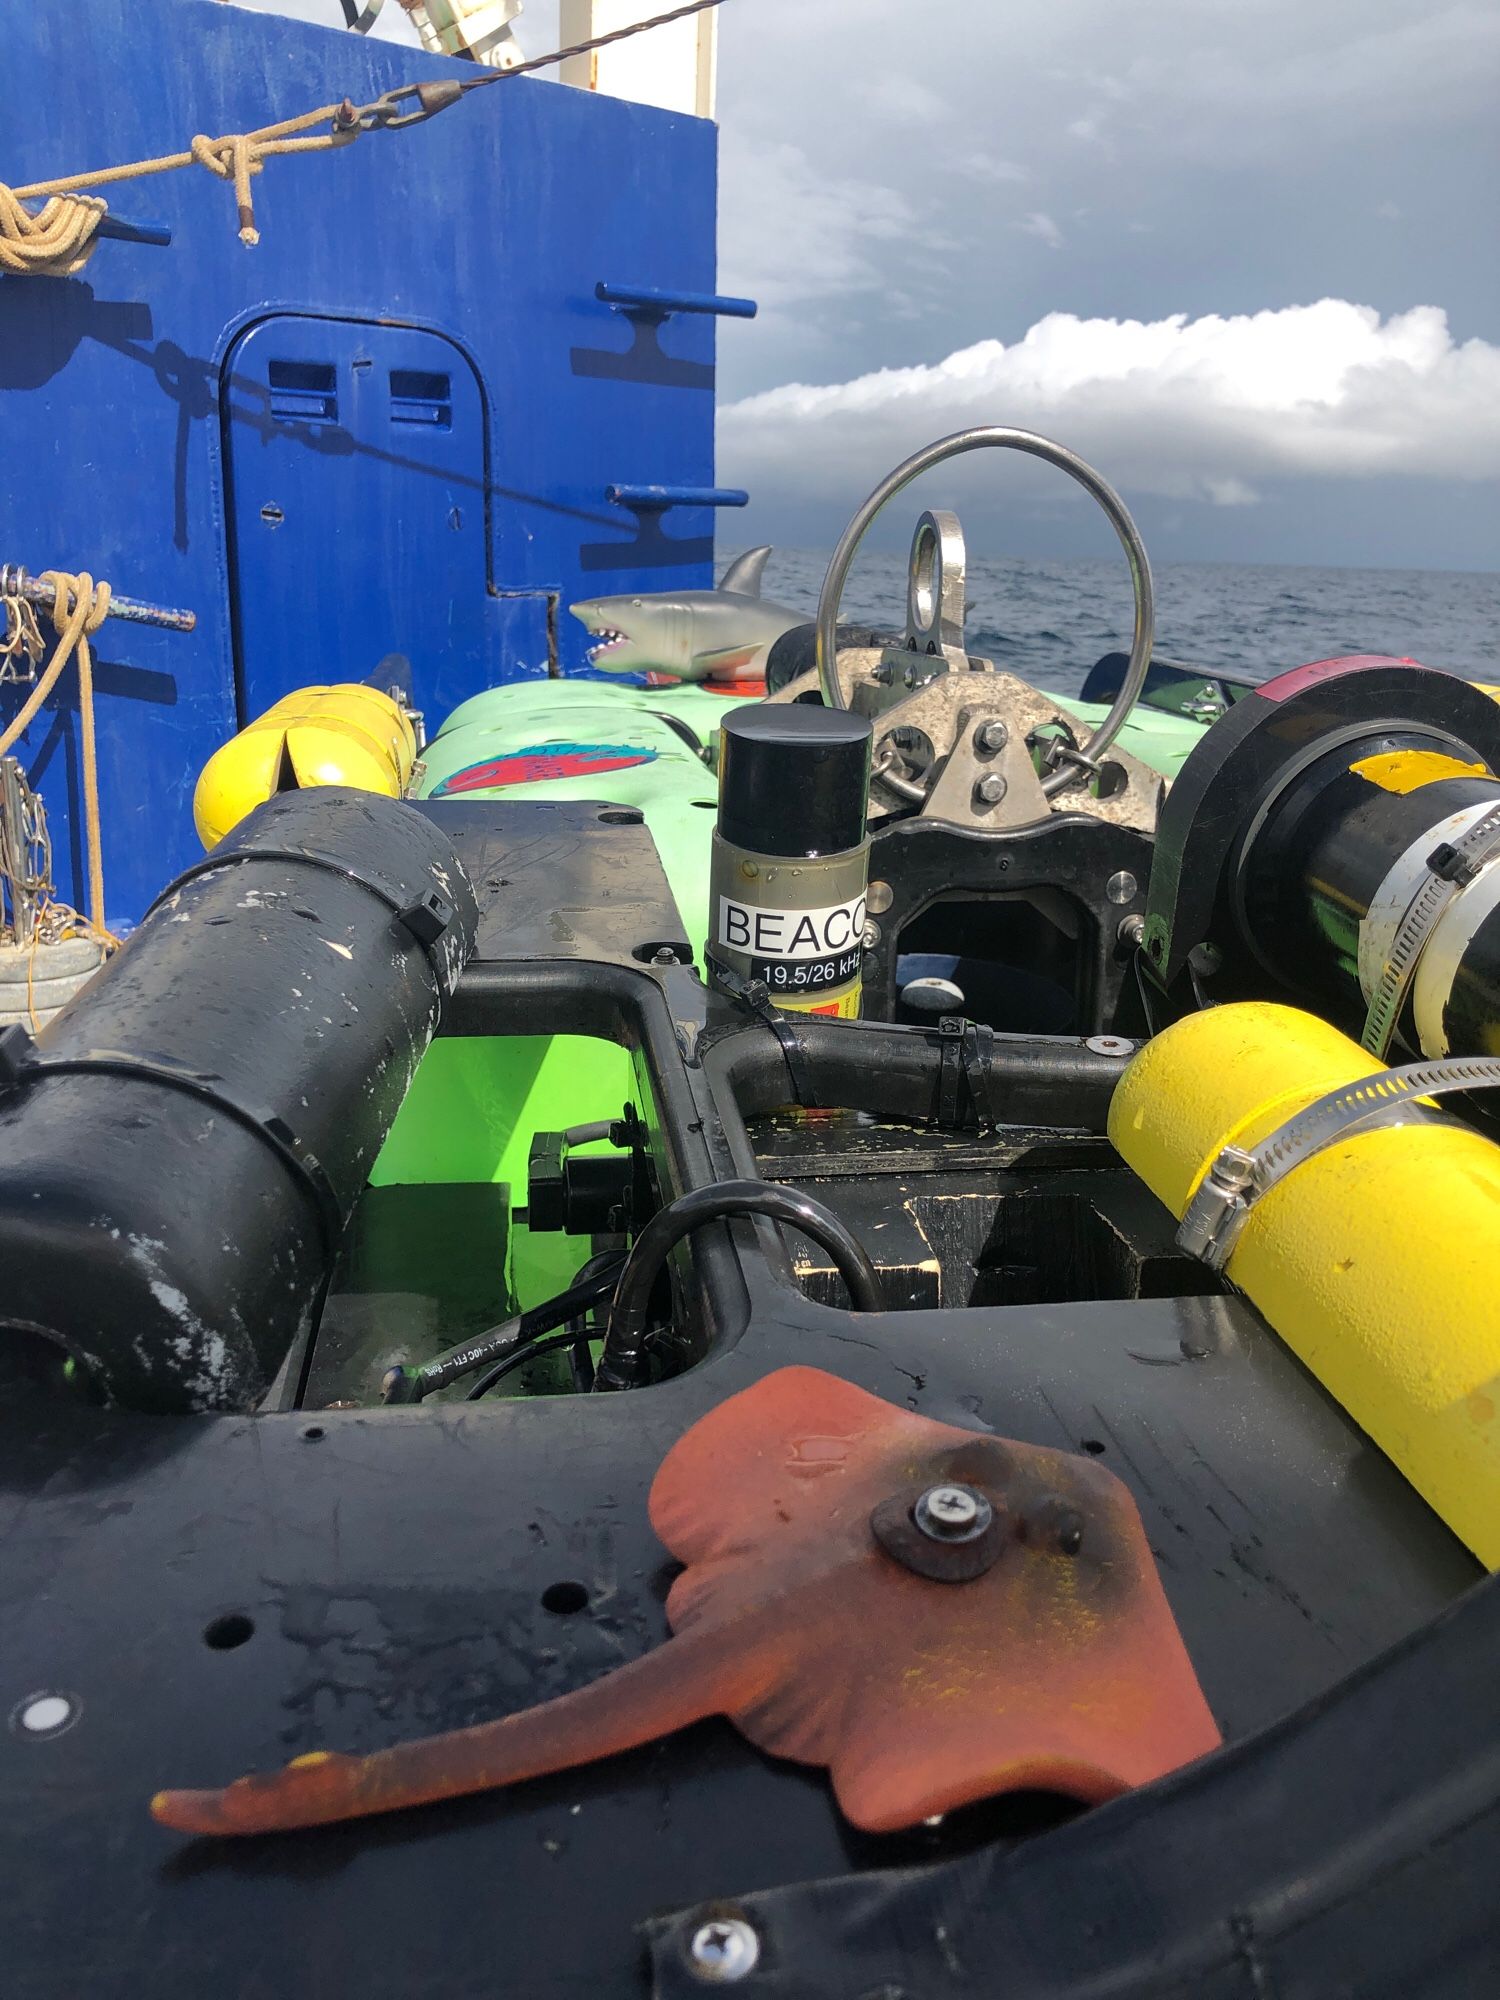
935	1615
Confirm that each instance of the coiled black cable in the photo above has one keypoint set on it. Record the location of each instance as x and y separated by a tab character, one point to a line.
622	1365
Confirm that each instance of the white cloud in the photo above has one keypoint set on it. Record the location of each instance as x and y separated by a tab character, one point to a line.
1043	228
1187	408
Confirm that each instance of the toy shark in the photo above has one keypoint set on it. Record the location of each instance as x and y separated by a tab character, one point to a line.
694	635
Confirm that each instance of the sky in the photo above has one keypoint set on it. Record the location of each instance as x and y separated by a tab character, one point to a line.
1242	254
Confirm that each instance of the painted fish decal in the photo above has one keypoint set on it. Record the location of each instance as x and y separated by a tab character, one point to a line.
540	763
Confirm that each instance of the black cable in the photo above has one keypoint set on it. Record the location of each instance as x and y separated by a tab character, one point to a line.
599	42
622	1364
591	1135
598	1276
410	1385
487	1381
680	728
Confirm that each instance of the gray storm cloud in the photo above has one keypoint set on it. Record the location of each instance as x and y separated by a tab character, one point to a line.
1183	407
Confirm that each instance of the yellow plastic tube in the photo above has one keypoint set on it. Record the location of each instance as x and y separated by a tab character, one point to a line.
1377	1261
342	735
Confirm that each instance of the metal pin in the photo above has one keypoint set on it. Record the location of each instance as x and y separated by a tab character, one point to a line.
16	582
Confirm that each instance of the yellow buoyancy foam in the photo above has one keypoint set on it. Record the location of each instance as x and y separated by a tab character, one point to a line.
1377	1260
344	735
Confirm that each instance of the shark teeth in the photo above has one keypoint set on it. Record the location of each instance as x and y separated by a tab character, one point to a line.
606	641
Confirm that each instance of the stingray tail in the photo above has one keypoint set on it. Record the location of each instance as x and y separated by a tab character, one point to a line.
702	1673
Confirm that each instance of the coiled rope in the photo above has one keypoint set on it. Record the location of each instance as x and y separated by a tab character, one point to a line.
59	240
79	609
53	244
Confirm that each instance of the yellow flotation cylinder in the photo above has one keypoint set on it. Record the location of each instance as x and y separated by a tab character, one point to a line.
1377	1260
342	735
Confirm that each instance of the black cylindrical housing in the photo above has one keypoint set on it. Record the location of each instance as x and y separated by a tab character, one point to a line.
181	1148
1312	870
794	779
1471	1013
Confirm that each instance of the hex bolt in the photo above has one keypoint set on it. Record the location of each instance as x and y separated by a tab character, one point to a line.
869	937
724	1951
990	790
990	737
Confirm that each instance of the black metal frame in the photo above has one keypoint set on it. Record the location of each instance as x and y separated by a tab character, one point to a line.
927	861
393	1572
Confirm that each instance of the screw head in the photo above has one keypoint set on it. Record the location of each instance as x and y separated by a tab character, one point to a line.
879	898
723	1951
990	790
1110	1045
38	1717
952	1513
869	937
1122	887
990	737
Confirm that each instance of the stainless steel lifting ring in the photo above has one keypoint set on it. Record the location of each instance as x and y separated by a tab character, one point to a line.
1135	554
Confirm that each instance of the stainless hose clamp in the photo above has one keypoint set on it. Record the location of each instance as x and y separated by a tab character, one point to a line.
1241	1176
1451	867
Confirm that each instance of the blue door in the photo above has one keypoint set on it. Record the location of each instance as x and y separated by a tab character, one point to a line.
357	499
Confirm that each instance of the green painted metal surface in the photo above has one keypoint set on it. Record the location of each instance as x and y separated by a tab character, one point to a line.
552	724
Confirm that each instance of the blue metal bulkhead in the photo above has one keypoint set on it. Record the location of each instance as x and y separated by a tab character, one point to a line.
356	496
414	370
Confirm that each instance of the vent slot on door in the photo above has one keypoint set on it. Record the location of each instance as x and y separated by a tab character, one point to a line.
420	398
304	392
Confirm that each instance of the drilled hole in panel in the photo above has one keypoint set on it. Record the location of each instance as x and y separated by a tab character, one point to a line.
222	1635
565	1598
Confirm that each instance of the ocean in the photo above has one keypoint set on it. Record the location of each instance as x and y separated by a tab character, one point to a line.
1049	621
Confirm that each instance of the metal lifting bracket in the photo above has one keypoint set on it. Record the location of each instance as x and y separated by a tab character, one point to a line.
1239	1177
